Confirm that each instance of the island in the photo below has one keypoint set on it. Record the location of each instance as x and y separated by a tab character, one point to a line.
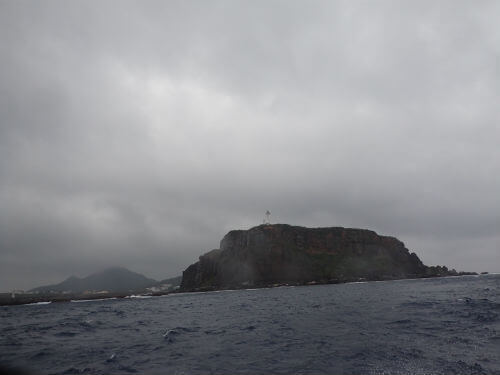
113	282
264	256
282	254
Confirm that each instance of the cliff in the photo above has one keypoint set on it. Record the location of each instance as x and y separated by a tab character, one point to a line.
285	254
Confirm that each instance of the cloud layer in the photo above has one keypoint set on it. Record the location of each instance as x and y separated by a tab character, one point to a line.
137	134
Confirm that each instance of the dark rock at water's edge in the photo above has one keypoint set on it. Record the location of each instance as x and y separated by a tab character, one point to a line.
282	254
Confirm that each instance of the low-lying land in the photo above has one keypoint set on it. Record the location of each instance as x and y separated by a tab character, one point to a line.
7	299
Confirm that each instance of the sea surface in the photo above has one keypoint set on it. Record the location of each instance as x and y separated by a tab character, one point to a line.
430	326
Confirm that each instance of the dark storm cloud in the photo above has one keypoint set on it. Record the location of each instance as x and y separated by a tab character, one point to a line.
138	134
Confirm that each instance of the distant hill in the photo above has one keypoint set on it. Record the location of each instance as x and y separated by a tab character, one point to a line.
114	279
174	281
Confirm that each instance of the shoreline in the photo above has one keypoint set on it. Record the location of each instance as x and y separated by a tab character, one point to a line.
321	282
45	299
35	299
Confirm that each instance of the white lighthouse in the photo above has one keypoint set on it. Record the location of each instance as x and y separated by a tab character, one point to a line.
267	217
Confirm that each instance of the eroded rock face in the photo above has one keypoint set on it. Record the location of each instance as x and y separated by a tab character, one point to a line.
280	253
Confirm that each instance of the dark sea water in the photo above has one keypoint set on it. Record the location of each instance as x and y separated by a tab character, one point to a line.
432	326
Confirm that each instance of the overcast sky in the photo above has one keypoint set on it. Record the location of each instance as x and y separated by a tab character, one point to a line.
137	133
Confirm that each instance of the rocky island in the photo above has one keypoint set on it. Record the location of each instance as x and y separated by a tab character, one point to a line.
281	254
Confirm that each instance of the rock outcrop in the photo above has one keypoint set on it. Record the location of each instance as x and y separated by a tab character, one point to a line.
285	254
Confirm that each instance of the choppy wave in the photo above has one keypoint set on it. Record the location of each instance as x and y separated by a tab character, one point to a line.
435	326
39	303
140	296
92	300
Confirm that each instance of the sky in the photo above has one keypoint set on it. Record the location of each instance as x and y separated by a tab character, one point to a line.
138	133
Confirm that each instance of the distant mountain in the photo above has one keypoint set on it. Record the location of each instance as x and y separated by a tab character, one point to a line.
114	279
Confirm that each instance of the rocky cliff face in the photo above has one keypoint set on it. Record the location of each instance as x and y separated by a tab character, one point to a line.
278	254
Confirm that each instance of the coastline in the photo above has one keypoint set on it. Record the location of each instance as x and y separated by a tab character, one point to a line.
37	299
6	299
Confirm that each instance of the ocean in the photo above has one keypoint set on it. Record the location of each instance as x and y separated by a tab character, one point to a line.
427	326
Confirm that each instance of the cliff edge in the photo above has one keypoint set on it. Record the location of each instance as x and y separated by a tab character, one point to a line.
284	254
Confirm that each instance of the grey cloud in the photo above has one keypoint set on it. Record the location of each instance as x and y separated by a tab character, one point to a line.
137	134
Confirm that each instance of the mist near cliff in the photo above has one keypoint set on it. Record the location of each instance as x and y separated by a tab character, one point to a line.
137	134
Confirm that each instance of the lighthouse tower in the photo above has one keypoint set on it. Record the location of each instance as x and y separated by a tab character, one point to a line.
266	220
